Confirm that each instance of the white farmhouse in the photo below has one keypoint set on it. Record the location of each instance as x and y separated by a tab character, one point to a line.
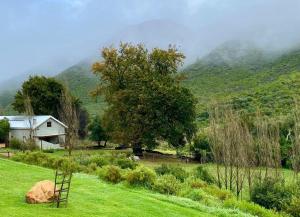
47	131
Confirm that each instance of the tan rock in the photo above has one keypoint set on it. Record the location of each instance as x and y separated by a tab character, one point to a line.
41	192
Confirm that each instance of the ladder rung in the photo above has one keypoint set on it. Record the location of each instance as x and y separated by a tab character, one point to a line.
63	200
62	190
63	182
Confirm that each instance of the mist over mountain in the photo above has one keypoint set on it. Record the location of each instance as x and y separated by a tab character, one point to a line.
50	36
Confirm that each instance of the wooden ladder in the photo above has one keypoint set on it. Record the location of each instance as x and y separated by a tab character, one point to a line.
61	188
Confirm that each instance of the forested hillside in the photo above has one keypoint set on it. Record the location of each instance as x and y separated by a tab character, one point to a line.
236	72
248	77
81	81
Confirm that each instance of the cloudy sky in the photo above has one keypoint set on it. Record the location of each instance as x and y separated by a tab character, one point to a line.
50	35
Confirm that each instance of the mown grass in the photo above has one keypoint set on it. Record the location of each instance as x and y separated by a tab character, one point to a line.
91	197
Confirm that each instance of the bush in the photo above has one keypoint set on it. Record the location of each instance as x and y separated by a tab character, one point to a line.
83	159
196	183
111	174
176	171
125	163
271	194
196	194
294	207
249	207
204	175
66	165
200	148
42	159
217	192
100	161
167	184
91	168
141	176
29	145
15	144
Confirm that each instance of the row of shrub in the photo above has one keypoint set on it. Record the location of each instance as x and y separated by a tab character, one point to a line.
169	180
197	185
78	163
41	159
23	146
277	195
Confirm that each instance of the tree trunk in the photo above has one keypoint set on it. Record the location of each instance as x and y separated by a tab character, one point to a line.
137	149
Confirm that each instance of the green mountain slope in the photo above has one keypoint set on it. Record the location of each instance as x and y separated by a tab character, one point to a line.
81	81
235	71
253	79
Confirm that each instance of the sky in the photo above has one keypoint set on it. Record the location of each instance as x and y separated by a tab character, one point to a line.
47	36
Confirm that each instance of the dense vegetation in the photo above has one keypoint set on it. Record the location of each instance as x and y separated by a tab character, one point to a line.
249	80
146	102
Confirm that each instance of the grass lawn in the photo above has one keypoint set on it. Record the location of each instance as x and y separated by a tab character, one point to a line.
91	197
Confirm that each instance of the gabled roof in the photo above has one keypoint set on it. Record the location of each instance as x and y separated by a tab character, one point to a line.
27	122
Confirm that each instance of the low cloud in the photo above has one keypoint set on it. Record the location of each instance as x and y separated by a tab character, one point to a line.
50	35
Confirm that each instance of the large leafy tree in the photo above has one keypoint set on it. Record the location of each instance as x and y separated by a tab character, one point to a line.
45	96
146	103
44	93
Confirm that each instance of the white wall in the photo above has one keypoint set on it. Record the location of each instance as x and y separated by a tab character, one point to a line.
20	135
55	129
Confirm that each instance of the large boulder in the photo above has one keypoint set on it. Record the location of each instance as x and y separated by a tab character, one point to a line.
41	192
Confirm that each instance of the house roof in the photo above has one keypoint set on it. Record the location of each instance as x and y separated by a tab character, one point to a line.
27	122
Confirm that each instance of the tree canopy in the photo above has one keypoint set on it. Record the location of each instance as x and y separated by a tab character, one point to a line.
44	94
146	102
4	130
97	132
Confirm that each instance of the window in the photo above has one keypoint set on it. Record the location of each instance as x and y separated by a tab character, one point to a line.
49	124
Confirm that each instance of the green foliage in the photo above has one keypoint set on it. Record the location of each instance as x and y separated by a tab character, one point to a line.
203	174
97	132
249	207
145	100
253	80
44	93
201	148
218	193
196	183
174	170
167	184
141	176
4	130
29	145
126	163
15	144
66	165
196	194
81	81
100	161
111	174
294	207
42	159
271	194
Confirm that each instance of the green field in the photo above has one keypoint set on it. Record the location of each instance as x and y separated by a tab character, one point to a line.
91	197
